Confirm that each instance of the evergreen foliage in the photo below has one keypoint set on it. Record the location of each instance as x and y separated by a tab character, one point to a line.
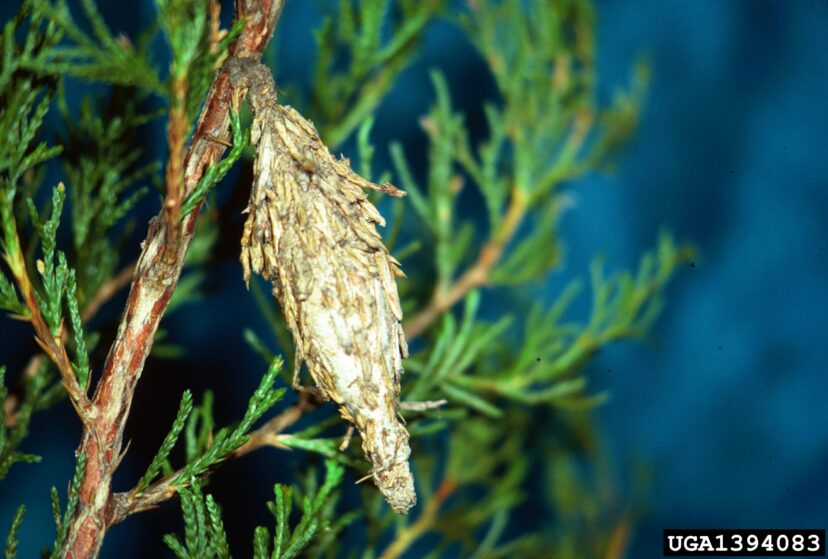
204	535
517	401
317	506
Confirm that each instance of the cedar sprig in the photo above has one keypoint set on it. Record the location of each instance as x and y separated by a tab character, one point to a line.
14	530
106	179
226	440
213	175
316	506
99	56
162	456
377	39
472	367
63	519
204	533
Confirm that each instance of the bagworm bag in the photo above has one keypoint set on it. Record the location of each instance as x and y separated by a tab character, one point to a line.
312	232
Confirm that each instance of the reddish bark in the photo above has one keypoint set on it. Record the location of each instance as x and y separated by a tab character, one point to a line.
155	279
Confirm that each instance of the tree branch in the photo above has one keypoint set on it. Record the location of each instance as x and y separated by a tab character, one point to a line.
129	503
154	281
270	434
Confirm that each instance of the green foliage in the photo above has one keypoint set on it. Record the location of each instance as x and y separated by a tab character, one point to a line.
24	102
204	535
216	172
62	520
456	350
58	282
161	457
100	56
317	511
356	67
40	390
14	529
81	362
542	133
199	431
9	300
10	437
25	97
537	253
582	495
54	277
545	120
227	440
204	448
471	364
186	26
100	165
480	451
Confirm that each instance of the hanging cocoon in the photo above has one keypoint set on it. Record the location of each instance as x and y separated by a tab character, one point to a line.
311	232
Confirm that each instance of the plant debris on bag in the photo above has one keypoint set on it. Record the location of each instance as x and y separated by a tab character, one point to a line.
312	232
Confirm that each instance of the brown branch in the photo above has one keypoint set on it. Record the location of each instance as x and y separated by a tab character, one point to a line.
176	138
216	33
155	279
269	434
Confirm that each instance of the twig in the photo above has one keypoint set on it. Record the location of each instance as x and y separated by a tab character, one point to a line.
127	504
475	276
423	524
156	276
52	345
268	434
423	406
176	138
104	294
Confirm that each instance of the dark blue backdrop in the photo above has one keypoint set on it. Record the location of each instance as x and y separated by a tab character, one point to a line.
728	403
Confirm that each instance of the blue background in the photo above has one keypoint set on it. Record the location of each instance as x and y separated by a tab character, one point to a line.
730	404
728	401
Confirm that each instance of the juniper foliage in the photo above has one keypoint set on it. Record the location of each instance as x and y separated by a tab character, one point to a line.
518	403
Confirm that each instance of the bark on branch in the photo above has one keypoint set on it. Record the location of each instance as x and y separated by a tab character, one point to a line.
154	281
